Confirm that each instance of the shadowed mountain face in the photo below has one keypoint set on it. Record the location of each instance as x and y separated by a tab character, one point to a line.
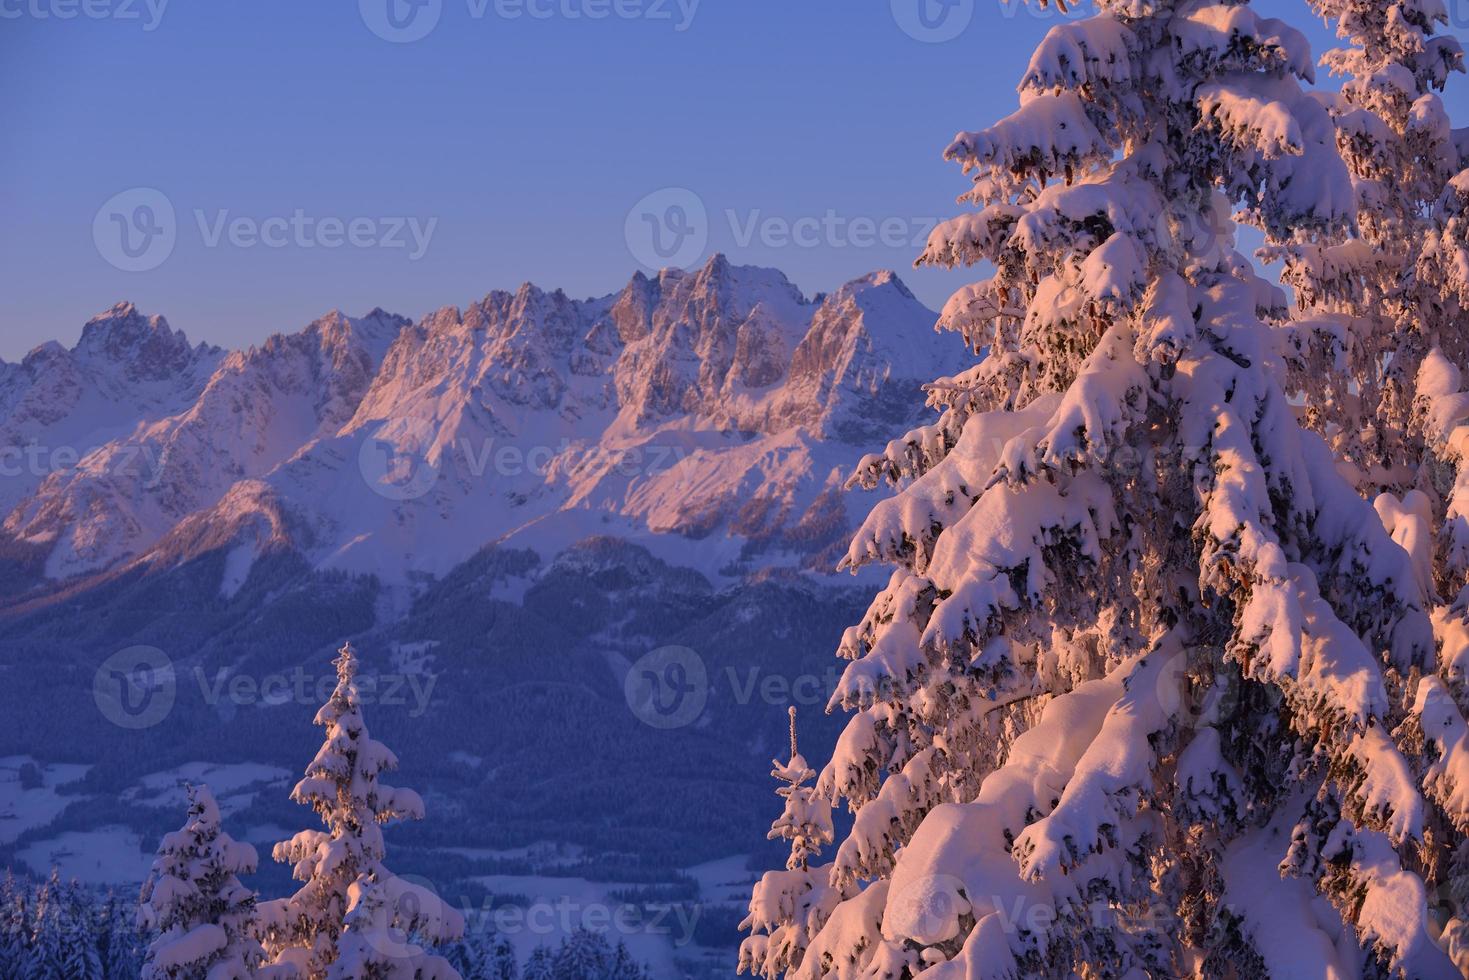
510	508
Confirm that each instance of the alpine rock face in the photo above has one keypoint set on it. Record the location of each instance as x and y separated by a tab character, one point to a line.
710	415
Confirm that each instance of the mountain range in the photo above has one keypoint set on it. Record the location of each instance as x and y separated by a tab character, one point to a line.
718	406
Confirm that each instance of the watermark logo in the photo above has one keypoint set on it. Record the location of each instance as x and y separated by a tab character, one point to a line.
672	227
412	688
668	229
130	461
667	688
401	21
402	459
135	688
405	21
149	12
395	460
933	21
136	230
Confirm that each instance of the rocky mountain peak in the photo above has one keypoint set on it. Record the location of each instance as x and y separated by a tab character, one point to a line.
144	346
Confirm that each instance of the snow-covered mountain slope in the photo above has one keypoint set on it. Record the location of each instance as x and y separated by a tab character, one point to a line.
257	410
58	404
711	414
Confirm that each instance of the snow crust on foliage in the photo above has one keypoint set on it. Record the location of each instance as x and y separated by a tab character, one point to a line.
1295	932
1447	779
1048	131
958	858
1229	33
905	527
1092	52
1391	900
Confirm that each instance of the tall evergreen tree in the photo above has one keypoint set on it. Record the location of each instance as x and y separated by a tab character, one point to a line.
203	916
1134	695
346	886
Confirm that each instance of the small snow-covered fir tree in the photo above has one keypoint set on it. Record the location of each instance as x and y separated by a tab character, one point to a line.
622	966
201	915
46	953
14	925
124	948
541	965
788	907
1143	686
480	956
502	963
588	955
350	904
80	930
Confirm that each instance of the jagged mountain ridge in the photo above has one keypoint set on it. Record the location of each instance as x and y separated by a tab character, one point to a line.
700	411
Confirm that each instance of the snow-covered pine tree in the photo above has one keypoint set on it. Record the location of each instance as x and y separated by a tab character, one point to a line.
1127	704
503	964
788	907
622	966
14	925
46	953
1369	315
201	915
582	954
471	955
541	965
82	961
124	947
481	956
346	886
587	955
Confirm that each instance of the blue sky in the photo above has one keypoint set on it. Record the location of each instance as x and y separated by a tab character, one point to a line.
502	146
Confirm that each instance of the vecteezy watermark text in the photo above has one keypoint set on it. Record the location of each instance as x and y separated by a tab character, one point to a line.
564	915
136	230
138	687
403	459
937	21
149	13
33	459
669	687
406	21
672	228
412	689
